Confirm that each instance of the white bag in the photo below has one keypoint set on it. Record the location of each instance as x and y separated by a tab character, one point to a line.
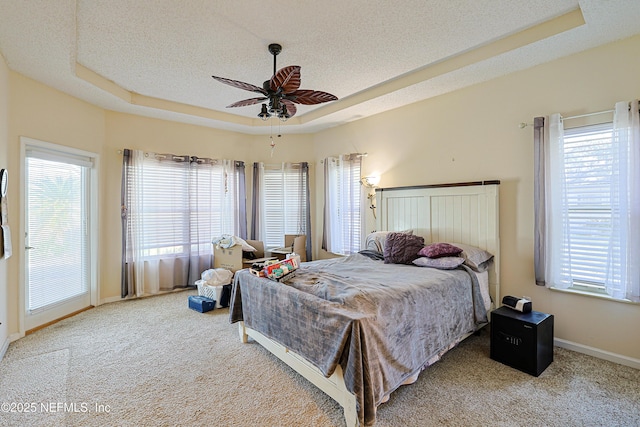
217	276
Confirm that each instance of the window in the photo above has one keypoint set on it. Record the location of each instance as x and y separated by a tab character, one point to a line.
343	218
173	207
165	203
285	202
216	198
588	160
184	205
587	204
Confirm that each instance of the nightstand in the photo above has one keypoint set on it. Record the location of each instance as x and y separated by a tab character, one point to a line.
522	340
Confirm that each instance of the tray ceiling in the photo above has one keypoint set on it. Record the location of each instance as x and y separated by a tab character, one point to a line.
156	57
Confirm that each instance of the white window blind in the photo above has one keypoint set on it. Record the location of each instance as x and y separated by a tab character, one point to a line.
57	235
345	231
214	204
184	205
588	168
285	203
165	213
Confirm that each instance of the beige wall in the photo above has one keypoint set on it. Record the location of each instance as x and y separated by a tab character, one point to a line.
473	134
40	112
43	113
4	164
134	132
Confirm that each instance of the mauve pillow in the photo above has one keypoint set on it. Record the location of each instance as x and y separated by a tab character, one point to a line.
437	250
401	248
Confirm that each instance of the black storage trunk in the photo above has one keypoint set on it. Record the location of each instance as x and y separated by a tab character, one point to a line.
522	340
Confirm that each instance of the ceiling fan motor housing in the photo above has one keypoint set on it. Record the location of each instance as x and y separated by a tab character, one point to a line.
275	48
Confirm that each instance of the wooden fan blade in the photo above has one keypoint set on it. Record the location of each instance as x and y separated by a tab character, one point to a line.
241	85
287	78
291	108
245	102
310	97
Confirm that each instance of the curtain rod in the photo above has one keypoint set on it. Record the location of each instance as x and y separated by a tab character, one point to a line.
523	125
597	113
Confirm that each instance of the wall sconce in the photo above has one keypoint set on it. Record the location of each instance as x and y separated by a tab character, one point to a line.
371	182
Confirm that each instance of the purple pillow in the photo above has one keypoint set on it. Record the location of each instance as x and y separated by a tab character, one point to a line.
437	250
402	248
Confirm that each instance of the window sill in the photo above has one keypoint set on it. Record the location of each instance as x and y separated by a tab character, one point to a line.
592	295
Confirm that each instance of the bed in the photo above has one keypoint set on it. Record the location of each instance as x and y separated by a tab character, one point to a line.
359	328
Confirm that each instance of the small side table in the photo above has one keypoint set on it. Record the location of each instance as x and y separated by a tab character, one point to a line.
281	253
523	341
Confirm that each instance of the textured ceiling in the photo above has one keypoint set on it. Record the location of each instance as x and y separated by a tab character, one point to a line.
156	57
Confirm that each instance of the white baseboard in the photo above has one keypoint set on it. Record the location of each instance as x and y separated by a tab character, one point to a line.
110	299
596	352
4	348
117	298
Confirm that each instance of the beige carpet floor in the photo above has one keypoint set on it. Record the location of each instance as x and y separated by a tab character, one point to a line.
154	362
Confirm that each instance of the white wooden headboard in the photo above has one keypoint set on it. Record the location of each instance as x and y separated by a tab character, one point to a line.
465	213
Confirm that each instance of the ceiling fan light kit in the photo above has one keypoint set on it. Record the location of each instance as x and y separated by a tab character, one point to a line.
282	91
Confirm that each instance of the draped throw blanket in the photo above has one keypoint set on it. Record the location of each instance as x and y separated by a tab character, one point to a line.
354	311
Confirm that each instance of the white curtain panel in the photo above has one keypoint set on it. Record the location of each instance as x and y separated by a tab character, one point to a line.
158	270
212	200
557	253
623	267
136	232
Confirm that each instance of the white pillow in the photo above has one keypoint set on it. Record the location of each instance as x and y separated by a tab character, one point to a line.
375	241
475	258
442	263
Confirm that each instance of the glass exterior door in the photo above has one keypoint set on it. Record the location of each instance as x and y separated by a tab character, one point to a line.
57	279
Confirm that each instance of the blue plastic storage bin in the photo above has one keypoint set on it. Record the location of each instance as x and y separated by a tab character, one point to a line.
201	304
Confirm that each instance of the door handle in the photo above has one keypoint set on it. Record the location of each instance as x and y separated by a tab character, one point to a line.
29	247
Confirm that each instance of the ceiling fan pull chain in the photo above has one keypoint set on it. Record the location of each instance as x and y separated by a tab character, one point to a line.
273	143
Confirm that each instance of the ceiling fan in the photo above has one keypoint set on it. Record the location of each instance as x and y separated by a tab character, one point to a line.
282	91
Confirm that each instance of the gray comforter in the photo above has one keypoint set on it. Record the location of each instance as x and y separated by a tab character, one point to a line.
381	322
